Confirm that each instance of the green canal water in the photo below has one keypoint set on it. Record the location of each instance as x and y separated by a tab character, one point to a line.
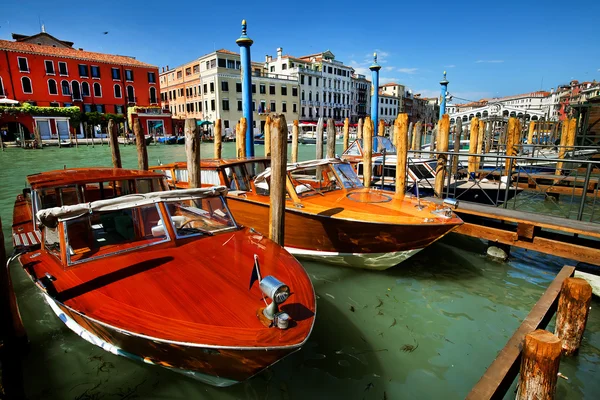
425	329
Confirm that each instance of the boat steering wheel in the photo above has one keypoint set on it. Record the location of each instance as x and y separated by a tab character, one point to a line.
204	223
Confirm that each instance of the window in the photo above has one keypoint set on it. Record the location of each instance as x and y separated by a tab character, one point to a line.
316	81
83	71
263	88
283	107
238	87
226	124
152	77
179	74
97	89
116	73
231	64
222	62
284	67
54	104
253	88
295	91
23	65
310	80
294	108
118	93
212	105
66	89
62	68
205	88
253	106
225	86
85	89
128	75
188	72
130	94
239	108
49	68
225	104
95	71
197	69
52	88
272	68
309	96
303	95
273	106
302	79
119	109
212	87
76	90
271	89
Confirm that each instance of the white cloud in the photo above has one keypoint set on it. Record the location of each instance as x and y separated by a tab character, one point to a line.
408	70
389	68
489	61
449	66
427	92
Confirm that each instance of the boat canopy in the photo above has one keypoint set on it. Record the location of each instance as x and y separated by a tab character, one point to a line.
50	216
301	165
203	122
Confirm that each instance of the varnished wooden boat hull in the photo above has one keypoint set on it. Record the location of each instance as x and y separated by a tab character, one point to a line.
214	365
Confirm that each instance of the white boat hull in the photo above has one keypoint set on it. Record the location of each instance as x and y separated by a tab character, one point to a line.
370	261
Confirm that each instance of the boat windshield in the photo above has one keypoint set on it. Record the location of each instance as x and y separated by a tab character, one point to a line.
312	180
200	217
379	144
348	176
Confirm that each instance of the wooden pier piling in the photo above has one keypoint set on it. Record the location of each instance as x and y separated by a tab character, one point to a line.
401	139
480	138
474	132
241	138
268	136
367	152
140	142
443	136
278	178
295	141
359	129
1	142
113	141
346	142
489	137
192	152
319	141
513	133
539	366
330	138
218	139
411	129
381	128
457	139
38	136
417	136
531	132
572	314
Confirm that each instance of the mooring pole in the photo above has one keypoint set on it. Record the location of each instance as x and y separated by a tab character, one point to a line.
367	152
346	134
295	141
375	90
278	178
572	314
218	139
457	139
245	42
401	135
444	83
473	146
140	142
243	147
114	144
359	129
268	136
443	136
192	152
539	366
319	140
330	138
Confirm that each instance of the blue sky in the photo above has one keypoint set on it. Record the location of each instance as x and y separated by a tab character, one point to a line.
488	48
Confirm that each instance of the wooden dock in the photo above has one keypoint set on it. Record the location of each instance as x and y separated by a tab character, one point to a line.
576	240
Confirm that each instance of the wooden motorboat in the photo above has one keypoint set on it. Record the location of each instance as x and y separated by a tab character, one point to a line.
329	215
166	278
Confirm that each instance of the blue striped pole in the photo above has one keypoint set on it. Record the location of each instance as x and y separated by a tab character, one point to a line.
245	42
444	82
375	88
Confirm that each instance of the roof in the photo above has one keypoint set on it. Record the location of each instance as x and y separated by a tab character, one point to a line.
391	84
30	48
62	177
19	38
227	52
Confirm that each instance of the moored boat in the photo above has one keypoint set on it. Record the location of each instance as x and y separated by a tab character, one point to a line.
329	215
166	278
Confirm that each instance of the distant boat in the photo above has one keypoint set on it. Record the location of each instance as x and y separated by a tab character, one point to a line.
167	139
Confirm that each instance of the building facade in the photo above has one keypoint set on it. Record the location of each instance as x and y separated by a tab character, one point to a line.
210	87
389	107
360	98
325	83
45	71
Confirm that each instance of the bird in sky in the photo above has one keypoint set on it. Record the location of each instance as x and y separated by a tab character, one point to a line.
105	33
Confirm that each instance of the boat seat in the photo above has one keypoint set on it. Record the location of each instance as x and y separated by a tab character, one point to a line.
303	188
159	229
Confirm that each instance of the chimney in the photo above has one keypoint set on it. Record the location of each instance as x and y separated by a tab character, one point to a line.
268	58
279	52
551	90
167	67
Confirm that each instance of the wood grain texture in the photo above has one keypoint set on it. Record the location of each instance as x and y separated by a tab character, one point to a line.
218	139
443	137
192	152
277	182
367	152
114	144
572	314
474	132
346	133
359	129
295	129
140	142
330	138
401	139
539	366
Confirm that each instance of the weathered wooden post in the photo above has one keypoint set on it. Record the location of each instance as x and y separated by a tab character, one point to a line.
381	128
401	139
91	133
532	125
1	142
473	145
443	136
359	129
268	136
330	138
346	134
457	139
278	178
140	143
511	134
218	139
539	366
114	144
295	141
417	136
242	138
192	153
480	137
572	314
571	134
489	137
410	136
38	136
319	142
238	140
367	152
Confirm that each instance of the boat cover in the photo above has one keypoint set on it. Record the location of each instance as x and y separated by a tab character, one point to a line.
51	216
304	164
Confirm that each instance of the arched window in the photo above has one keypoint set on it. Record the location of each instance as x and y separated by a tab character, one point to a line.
451	120
26	83
310	96
85	89
52	88
76	90
464	118
478	115
118	93
66	89
97	90
153	95
317	96
130	94
485	114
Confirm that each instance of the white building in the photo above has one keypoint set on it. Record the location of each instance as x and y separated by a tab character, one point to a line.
389	107
360	98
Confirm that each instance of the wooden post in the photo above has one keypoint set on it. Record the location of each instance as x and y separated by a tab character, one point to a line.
571	134
539	366
410	135
218	139
192	152
346	134
38	136
532	125
295	141
278	178
457	139
401	139
330	138
91	133
511	134
417	136
572	313
480	137
381	128
114	144
367	152
237	139
1	143
359	129
140	144
319	144
242	138
473	144
443	136
268	136
489	137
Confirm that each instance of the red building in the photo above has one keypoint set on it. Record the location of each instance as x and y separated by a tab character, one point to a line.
45	71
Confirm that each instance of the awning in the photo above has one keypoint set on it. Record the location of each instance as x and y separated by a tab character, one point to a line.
8	101
203	122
